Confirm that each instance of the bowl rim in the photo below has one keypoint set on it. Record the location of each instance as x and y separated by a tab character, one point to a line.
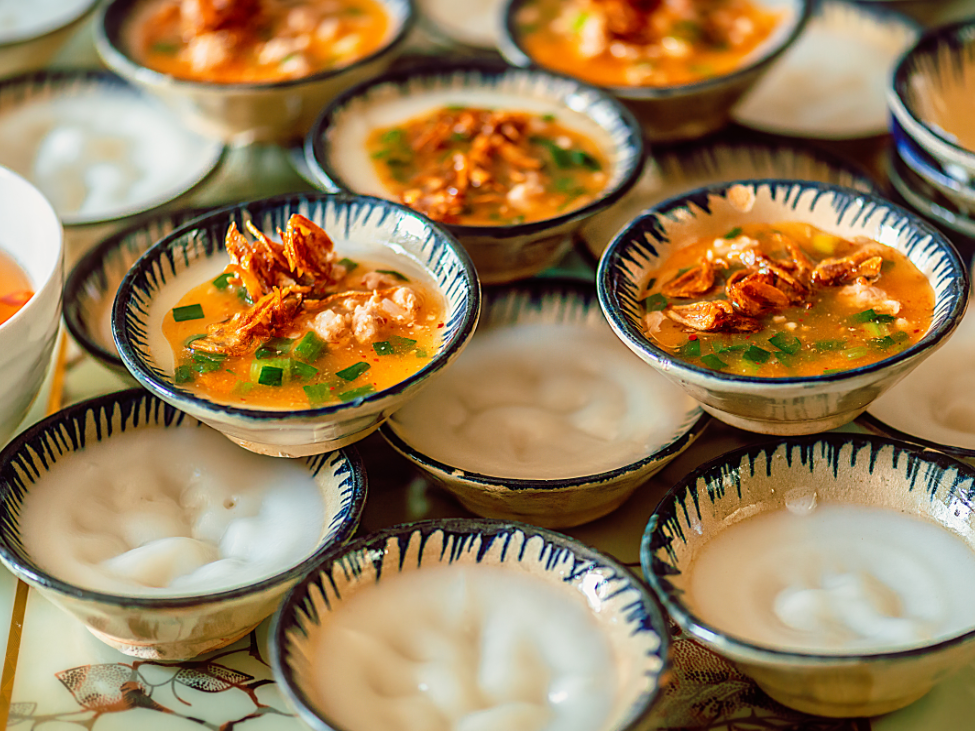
513	50
133	397
115	58
285	618
608	278
320	164
929	41
186	400
899	174
49	29
879	427
542	288
86	270
713	637
925	166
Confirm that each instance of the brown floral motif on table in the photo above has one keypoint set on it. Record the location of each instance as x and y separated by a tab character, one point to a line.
118	687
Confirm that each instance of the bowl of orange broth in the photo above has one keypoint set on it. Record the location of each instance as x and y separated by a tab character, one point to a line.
250	69
784	307
837	571
296	325
680	67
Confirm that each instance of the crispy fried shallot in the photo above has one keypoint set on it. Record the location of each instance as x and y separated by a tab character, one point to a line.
713	316
864	263
694	282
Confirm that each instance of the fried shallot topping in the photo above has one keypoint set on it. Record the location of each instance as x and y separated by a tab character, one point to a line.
695	281
713	316
864	263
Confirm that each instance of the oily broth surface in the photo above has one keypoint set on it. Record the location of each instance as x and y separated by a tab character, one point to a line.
15	287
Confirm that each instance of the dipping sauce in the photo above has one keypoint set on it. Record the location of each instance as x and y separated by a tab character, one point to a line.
643	42
835	579
293	325
471	648
15	288
254	41
170	512
484	167
548	401
786	300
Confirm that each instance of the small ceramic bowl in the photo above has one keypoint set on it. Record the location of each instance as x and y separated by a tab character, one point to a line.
359	225
919	194
32	33
929	96
677	169
619	605
470	26
558	501
832	82
98	148
245	112
807	473
32	237
336	150
89	290
170	627
961	195
688	111
789	405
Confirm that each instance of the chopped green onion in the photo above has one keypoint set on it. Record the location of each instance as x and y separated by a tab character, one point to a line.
582	159
548	117
282	364
830	371
309	347
383	347
873	329
353	371
205	366
786	343
318	393
870	316
273	348
189	312
245	296
655	302
756	354
242	388
348	264
900	336
857	352
733	233
393	273
719	349
167	49
302	370
271	376
653	281
579	21
193	338
691	349
824	346
223	281
183	374
394	136
560	156
356	392
421	353
713	361
201	357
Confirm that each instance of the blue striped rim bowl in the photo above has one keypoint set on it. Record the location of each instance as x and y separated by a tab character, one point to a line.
792	405
359	225
91	285
157	627
619	605
564	501
336	151
801	474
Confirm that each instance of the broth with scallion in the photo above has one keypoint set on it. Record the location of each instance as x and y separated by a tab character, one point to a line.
15	288
786	300
482	167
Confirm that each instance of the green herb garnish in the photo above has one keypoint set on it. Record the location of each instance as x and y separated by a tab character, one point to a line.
193	338
271	376
824	346
223	281
786	343
353	371
318	393
655	302
713	361
356	393
869	316
857	352
756	354
733	233
309	347
691	349
189	312
394	273
183	374
302	370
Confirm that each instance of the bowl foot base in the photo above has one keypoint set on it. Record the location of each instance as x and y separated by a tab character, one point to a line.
170	651
850	709
784	428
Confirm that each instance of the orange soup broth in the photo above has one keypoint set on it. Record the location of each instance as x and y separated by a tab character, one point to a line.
820	328
560	52
158	43
567	185
15	287
235	381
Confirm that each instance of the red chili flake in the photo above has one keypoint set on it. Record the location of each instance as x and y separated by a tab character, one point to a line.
440	325
692	337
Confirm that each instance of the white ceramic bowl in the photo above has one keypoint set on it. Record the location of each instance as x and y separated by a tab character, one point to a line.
170	627
620	606
830	469
241	112
34	31
688	111
31	235
793	405
562	501
336	150
359	225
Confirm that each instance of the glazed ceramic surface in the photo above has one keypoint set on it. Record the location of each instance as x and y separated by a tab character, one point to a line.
831	83
674	170
922	196
278	111
930	96
168	628
784	406
89	290
670	113
31	234
620	605
831	469
335	148
30	38
358	225
554	502
935	176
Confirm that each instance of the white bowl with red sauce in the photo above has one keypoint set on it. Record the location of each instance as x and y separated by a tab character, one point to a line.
270	108
789	403
31	279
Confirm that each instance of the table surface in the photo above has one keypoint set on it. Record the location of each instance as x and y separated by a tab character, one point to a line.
58	676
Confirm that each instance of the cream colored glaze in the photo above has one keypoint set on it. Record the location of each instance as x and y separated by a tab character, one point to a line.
475	22
835	579
544	401
462	648
170	512
21	19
